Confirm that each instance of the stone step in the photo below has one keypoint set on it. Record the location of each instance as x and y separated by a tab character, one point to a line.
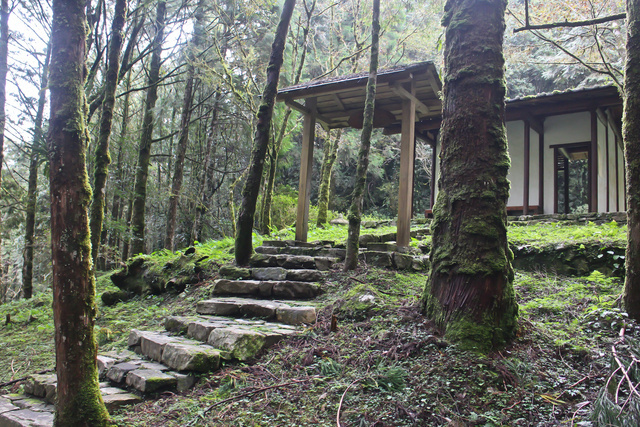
285	289
270	273
322	263
302	251
267	310
241	338
180	354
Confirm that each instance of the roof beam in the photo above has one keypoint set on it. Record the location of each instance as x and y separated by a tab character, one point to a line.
535	123
399	90
326	123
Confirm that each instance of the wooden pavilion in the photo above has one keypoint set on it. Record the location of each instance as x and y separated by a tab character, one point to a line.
407	102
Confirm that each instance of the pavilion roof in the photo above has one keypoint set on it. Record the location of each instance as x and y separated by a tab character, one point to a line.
342	98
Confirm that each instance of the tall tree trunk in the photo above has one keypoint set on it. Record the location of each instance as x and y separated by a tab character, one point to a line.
116	206
78	401
244	229
183	140
32	191
330	155
355	210
4	53
631	135
265	218
102	156
144	151
207	172
470	290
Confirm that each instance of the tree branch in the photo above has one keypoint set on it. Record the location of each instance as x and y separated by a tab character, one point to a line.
565	24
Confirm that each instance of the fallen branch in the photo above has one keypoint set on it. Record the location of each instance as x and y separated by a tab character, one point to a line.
342	399
46	371
240	396
571	24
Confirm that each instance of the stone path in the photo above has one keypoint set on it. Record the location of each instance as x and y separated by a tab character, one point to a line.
249	309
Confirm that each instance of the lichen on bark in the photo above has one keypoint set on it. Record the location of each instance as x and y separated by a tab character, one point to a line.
471	281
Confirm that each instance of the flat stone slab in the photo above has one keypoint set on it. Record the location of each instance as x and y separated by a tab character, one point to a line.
191	357
116	400
243	344
269	273
149	380
42	385
268	310
151	343
304	275
118	372
284	289
26	417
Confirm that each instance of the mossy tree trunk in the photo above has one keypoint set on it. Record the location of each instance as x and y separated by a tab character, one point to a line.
244	228
631	135
183	139
355	210
4	54
470	290
276	146
78	401
102	155
144	150
32	190
330	155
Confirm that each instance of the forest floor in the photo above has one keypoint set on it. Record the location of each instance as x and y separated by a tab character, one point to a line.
386	365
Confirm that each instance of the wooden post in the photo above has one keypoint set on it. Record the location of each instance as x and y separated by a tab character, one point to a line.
606	144
407	148
434	159
593	163
541	172
527	161
555	180
306	165
566	186
617	174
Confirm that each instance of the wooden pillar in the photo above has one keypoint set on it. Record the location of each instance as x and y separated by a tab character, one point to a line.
566	186
593	164
555	180
434	159
407	148
617	174
527	161
606	145
306	165
541	172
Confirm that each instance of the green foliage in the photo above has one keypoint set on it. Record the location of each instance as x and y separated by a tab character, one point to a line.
562	232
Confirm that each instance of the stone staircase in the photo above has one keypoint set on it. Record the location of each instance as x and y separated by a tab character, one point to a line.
249	310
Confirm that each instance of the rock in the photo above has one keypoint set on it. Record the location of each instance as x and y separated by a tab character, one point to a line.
261	260
269	273
148	380
241	343
26	417
382	247
294	290
236	287
233	272
104	363
389	237
296	315
200	330
339	221
296	261
324	263
184	381
360	303
238	307
402	261
420	263
110	298
105	391
275	243
267	250
178	324
6	405
118	372
378	259
302	275
116	400
41	385
366	239
191	357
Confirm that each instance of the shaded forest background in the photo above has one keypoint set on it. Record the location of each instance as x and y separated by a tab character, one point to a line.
327	38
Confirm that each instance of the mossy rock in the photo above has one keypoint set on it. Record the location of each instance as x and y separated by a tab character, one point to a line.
360	303
150	274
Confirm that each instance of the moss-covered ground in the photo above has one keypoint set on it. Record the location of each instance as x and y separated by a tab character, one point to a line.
385	365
